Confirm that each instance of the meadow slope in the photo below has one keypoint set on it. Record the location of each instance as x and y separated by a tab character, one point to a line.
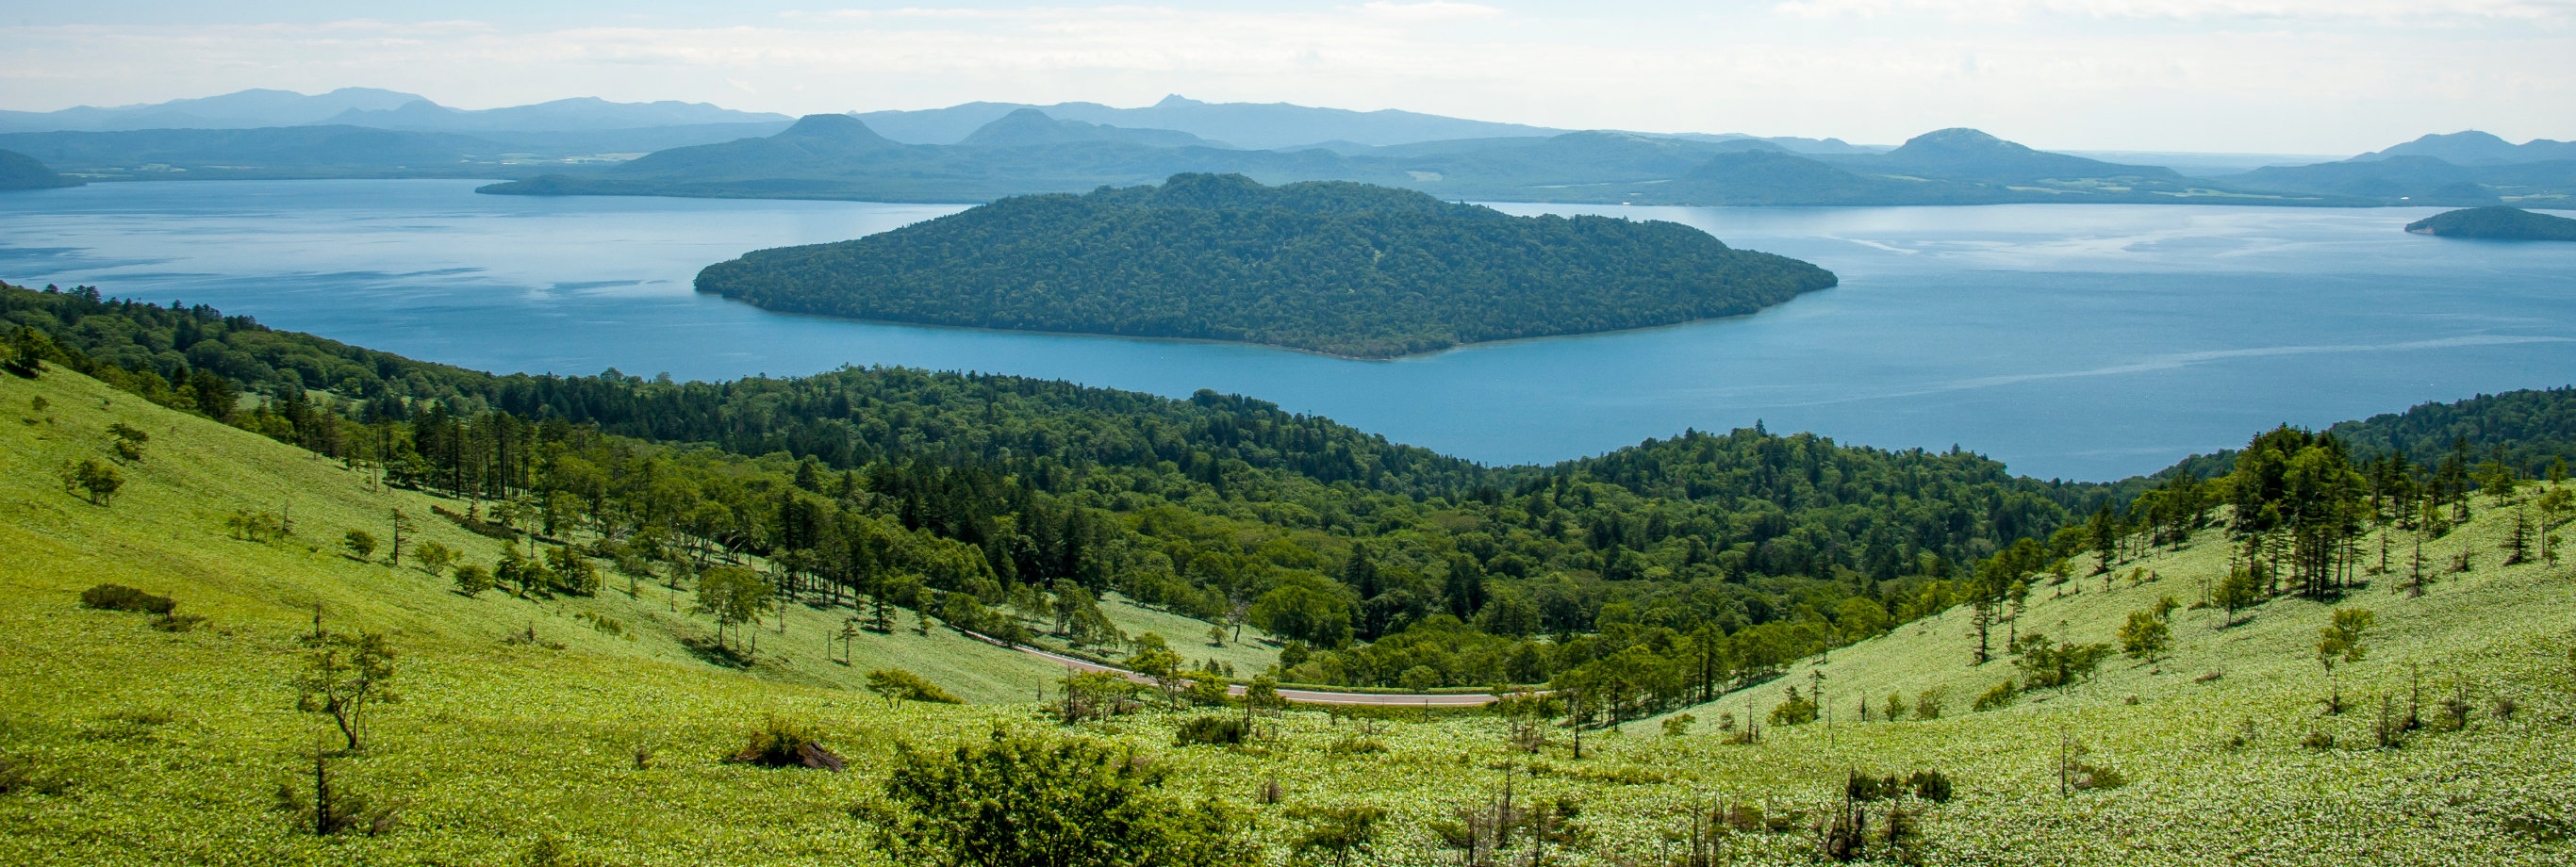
145	746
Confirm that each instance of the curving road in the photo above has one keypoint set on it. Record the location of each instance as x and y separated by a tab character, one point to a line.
1300	696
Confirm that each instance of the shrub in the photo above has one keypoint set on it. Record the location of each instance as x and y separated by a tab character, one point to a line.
1931	786
258	526
1211	730
553	850
118	597
20	775
1863	787
2077	772
2000	697
1927	704
603	623
129	441
14	774
2093	776
1099	695
433	556
472	579
1335	833
781	743
100	480
1678	725
2318	741
2056	664
2341	640
2146	635
1205	689
1070	803
1353	745
361	544
1795	710
896	684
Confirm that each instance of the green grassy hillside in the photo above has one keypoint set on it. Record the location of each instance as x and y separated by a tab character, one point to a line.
166	533
166	746
2224	735
133	745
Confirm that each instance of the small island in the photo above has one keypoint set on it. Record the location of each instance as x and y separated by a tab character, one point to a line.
1332	267
2498	223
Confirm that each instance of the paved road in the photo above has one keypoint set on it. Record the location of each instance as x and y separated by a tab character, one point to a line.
1301	696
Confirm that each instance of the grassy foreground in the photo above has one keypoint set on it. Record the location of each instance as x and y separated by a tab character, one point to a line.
145	746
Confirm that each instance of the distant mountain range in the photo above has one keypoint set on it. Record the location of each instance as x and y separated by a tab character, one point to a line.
562	115
2425	180
244	110
343	151
2474	148
1258	126
361	132
380	109
981	151
1027	151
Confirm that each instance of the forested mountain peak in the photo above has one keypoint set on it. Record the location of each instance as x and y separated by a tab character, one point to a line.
1965	153
2475	147
1328	266
836	127
1957	139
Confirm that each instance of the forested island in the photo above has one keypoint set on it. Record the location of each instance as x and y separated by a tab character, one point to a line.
2497	223
1333	267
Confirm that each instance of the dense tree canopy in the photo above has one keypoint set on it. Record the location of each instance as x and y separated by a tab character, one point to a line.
1342	268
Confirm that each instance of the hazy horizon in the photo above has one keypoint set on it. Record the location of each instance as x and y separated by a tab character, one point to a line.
2213	76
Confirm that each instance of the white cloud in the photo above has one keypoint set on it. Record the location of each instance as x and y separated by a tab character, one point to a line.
1434	10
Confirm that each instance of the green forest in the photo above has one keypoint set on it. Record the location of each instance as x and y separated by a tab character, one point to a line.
1652	576
1334	267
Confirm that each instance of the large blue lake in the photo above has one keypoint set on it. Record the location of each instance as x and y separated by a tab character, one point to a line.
2077	341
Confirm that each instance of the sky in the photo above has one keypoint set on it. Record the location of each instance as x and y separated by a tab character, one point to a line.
2247	76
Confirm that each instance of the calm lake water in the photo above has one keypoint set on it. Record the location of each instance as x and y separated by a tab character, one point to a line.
2077	341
